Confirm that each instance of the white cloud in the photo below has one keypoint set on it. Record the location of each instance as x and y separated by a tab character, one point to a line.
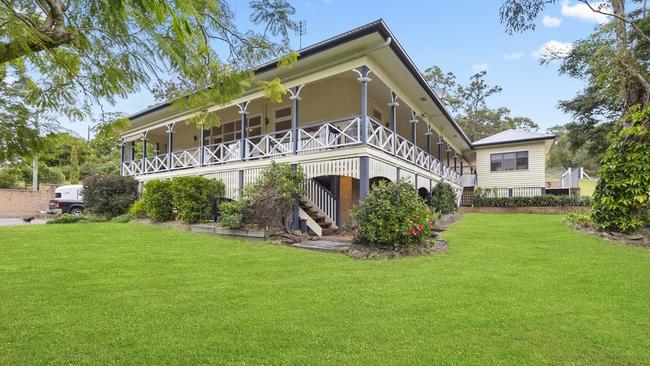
583	12
551	22
479	67
513	56
552	50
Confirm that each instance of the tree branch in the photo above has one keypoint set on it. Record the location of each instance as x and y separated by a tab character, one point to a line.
623	19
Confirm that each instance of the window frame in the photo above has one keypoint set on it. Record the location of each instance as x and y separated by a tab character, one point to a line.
502	161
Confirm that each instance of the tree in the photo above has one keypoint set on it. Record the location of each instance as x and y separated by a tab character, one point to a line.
469	103
61	58
614	61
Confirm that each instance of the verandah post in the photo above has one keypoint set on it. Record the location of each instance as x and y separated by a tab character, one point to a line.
364	79
295	216
201	144
364	177
414	136
144	151
295	98
393	121
170	146
122	151
242	139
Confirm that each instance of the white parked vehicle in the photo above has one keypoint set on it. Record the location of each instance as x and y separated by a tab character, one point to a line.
68	199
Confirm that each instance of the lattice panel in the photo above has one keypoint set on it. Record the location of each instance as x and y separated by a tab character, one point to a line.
346	167
380	169
423	183
251	175
230	180
403	174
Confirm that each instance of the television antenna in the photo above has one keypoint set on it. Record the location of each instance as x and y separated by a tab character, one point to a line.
301	31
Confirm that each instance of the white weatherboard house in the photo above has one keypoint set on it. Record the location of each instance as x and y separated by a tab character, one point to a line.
357	110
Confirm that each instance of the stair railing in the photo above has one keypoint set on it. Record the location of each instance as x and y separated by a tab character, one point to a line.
321	197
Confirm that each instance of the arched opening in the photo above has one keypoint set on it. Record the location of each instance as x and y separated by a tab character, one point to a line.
424	194
375	180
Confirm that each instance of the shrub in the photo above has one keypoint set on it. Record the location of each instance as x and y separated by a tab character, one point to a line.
195	197
268	201
581	219
8	177
533	201
393	214
138	209
72	219
622	194
230	214
443	199
109	195
157	201
122	219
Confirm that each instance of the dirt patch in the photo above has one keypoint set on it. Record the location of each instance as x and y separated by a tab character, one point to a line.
389	252
640	239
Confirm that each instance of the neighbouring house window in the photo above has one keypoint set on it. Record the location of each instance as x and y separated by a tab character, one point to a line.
509	161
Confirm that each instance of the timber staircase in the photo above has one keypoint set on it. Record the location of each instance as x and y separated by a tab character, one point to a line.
327	226
318	208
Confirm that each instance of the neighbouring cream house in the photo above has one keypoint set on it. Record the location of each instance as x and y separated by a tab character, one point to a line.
512	163
357	110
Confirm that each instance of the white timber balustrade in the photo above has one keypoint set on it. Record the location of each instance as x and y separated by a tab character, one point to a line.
265	146
156	163
380	136
404	149
221	153
321	197
329	135
186	158
340	133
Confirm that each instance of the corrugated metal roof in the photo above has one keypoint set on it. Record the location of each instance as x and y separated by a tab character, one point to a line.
512	136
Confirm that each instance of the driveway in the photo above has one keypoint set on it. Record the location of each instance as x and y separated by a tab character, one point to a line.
10	222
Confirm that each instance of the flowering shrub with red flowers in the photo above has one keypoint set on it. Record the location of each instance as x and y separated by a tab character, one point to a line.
393	214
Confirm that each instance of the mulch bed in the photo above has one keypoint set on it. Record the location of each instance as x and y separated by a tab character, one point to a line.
434	246
640	239
389	252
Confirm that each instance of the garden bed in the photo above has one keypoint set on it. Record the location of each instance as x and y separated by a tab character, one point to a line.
361	251
640	239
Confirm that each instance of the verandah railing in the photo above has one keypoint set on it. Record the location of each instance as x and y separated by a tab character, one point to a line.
312	138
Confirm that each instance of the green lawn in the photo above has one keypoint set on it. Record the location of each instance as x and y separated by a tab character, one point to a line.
513	289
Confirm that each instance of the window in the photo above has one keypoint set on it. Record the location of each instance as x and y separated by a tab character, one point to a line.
509	161
376	115
283	119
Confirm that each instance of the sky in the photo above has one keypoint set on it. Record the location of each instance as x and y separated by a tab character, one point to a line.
459	36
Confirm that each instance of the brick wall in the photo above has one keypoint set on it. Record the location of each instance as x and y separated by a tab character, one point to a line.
25	203
348	197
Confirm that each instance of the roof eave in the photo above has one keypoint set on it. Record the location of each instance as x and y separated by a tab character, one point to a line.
513	142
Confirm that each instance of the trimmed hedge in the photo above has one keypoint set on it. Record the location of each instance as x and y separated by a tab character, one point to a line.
196	198
157	200
109	195
534	201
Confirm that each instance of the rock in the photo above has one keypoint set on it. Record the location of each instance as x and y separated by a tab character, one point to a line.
635	237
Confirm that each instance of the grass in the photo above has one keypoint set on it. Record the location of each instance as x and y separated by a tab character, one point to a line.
587	186
512	289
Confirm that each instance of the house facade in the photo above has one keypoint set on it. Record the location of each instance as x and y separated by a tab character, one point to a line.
357	111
